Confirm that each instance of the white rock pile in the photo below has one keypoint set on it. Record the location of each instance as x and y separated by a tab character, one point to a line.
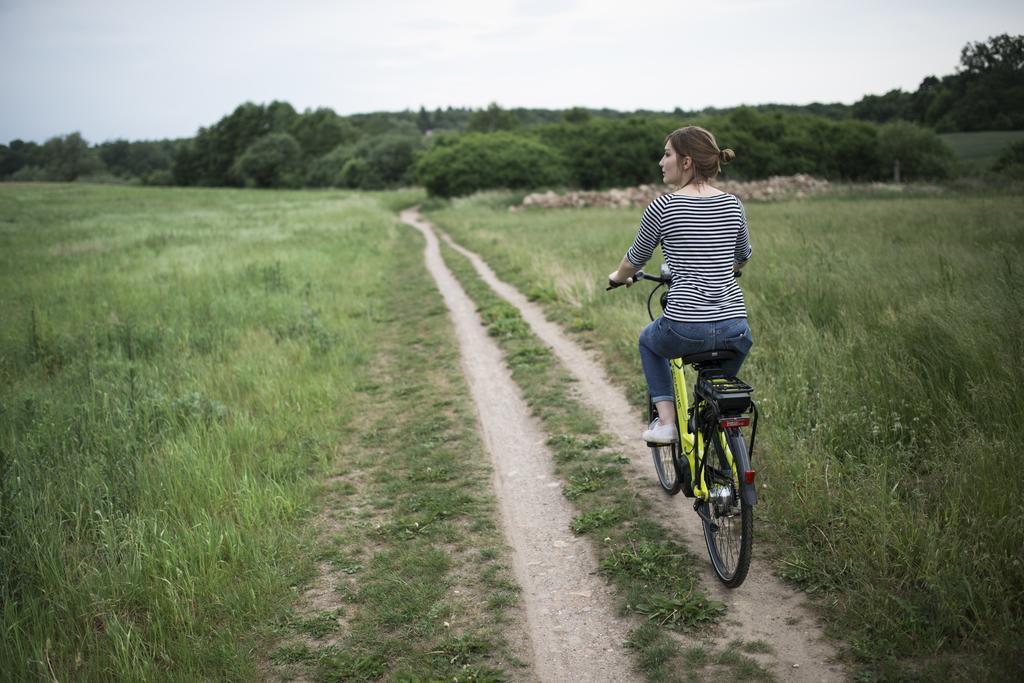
770	189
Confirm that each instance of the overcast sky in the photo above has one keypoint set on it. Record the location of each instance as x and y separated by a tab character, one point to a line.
142	69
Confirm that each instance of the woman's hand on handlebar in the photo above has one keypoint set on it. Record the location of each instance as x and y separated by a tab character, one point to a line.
614	280
625	274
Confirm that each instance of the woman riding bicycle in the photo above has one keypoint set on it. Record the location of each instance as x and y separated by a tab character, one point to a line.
705	242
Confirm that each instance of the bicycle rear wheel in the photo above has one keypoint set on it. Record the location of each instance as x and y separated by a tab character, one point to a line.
728	521
664	458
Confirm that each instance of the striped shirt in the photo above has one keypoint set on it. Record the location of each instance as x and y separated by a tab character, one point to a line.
700	238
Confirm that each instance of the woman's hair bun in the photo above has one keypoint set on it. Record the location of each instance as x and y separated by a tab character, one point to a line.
726	155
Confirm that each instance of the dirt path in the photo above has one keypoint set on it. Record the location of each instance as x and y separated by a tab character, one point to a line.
574	632
763	608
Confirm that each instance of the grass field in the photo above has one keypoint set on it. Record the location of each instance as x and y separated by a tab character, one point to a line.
181	371
886	361
188	378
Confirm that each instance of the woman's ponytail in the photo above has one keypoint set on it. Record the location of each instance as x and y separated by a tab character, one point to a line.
700	145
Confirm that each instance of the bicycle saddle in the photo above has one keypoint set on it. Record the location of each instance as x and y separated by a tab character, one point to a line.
710	356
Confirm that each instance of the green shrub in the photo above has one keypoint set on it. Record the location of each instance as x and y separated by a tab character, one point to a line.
159	178
779	143
1011	162
855	148
457	166
375	163
62	158
270	161
29	174
325	171
610	153
388	160
356	173
921	153
18	155
127	159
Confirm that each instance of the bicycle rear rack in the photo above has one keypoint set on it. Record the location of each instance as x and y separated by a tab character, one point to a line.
730	394
728	397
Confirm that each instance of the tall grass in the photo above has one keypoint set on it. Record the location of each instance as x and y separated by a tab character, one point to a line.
175	368
887	363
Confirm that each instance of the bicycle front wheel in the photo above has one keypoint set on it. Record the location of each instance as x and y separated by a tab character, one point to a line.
728	521
664	458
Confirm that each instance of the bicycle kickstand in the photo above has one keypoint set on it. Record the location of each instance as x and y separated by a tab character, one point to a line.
703	515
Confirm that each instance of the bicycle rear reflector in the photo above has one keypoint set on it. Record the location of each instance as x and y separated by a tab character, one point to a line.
748	476
728	422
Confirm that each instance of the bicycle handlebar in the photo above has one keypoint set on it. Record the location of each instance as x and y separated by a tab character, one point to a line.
641	275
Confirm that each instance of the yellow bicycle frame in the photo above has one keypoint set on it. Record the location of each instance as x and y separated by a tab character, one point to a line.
687	440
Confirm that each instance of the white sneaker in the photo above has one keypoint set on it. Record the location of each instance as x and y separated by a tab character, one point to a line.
659	433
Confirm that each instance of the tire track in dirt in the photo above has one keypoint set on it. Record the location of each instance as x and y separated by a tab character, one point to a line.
763	608
574	631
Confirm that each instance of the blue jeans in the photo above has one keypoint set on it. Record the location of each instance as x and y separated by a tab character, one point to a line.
664	339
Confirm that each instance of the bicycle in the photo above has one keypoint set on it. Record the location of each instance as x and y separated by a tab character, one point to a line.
714	422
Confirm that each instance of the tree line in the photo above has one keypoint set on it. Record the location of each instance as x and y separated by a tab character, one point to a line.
458	150
602	153
70	157
986	92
